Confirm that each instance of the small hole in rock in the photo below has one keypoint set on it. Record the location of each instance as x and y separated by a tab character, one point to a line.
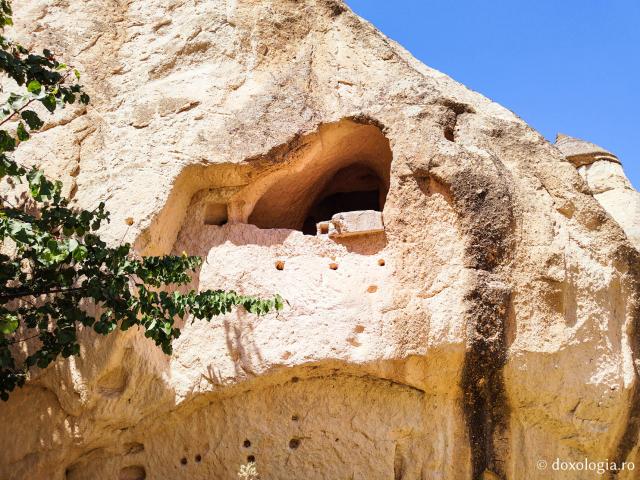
198	458
133	472
295	418
183	461
279	265
448	134
333	266
251	459
246	443
337	439
381	262
294	443
294	379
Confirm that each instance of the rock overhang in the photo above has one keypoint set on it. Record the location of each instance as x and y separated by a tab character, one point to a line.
580	152
489	253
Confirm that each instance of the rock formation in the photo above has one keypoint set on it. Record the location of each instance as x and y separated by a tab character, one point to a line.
607	182
487	323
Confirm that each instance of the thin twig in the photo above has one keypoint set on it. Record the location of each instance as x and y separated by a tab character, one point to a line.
57	84
13	342
17	111
26	293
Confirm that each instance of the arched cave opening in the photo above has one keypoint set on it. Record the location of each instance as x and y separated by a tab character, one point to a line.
345	168
353	188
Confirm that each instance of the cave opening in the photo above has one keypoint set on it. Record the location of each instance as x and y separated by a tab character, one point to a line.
351	189
347	168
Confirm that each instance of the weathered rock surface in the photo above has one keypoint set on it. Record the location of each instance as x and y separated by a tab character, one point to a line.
491	325
609	185
347	224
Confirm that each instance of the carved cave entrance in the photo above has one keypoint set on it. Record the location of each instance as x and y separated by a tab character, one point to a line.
345	168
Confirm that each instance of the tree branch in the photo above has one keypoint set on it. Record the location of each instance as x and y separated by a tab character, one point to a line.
17	111
13	342
29	293
57	84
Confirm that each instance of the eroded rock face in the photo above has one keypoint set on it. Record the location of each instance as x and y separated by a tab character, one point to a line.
491	324
607	182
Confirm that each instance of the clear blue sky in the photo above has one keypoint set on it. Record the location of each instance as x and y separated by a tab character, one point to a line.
570	66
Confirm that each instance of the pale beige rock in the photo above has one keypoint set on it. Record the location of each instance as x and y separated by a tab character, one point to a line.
607	182
362	222
492	324
580	152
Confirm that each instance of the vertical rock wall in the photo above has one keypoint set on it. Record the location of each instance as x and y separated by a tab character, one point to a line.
491	325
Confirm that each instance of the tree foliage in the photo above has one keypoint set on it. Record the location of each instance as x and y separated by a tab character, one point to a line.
56	274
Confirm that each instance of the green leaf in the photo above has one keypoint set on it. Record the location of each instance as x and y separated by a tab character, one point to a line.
32	119
49	103
14	98
279	302
35	183
76	73
69	98
34	86
73	245
22	133
7	142
8	323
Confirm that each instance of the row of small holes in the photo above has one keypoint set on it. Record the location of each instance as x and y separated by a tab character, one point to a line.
247	444
332	266
293	443
197	458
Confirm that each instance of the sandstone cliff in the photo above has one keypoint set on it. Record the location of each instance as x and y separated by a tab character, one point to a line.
489	322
